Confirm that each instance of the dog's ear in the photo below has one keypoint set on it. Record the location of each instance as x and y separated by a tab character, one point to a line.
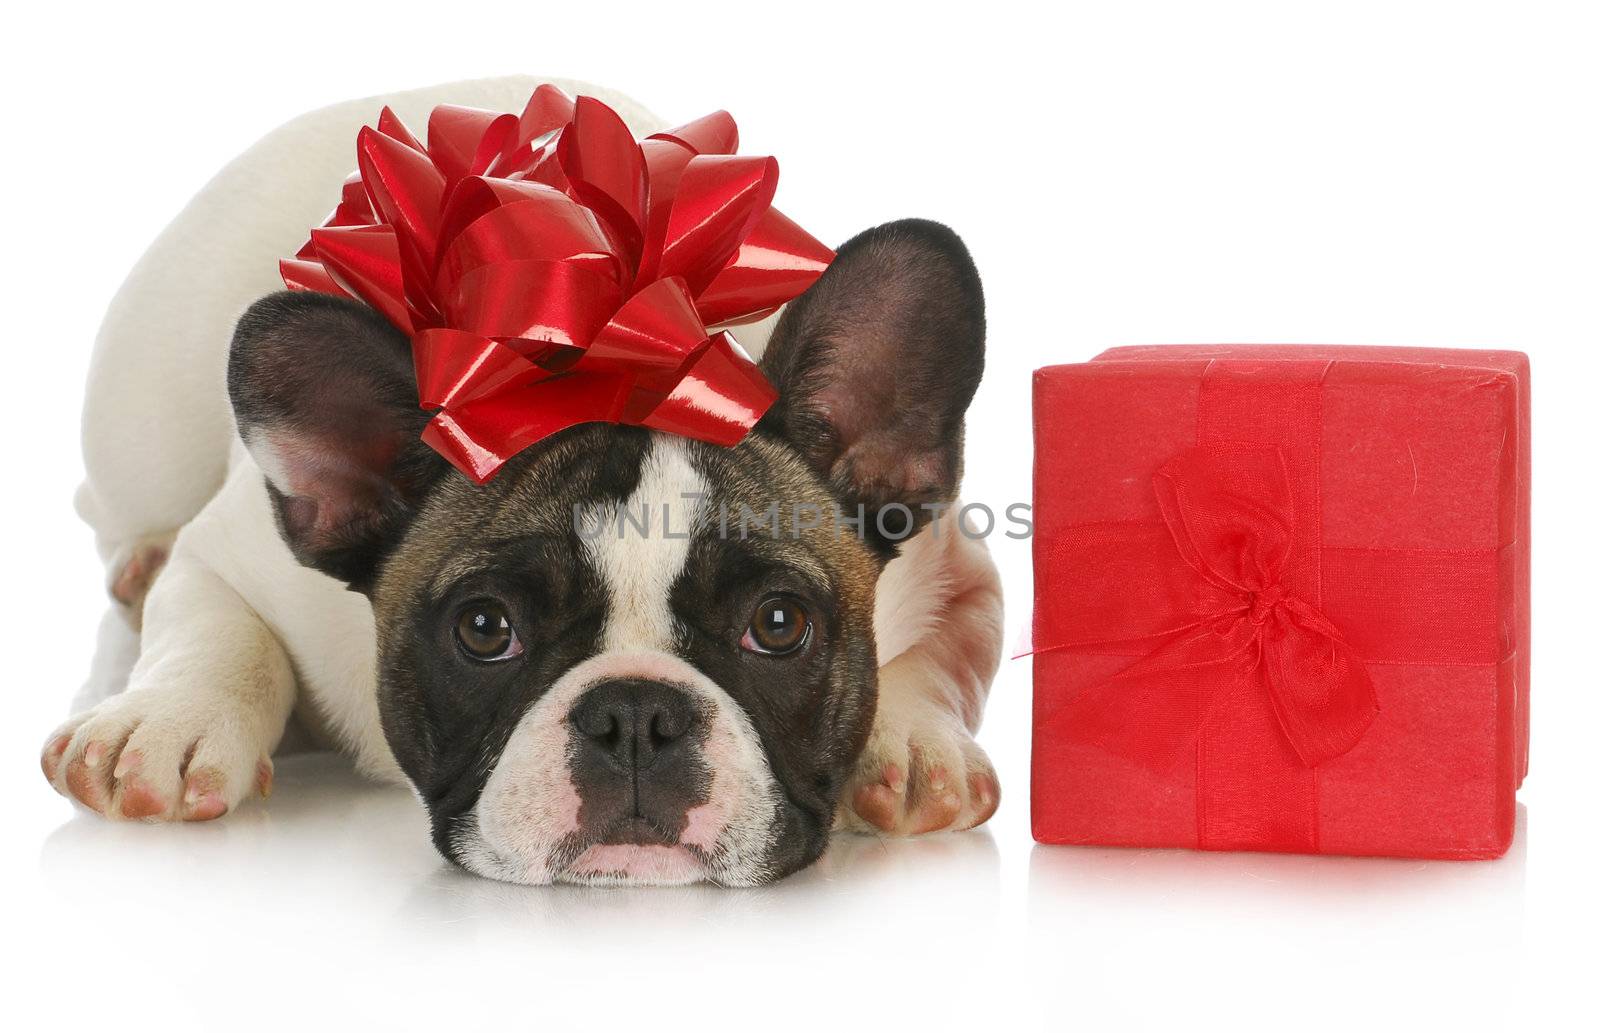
875	365
326	400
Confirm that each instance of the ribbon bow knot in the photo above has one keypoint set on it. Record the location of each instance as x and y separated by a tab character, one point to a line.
1230	511
1262	604
552	270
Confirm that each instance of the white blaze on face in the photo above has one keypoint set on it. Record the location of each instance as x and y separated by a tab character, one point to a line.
529	807
640	566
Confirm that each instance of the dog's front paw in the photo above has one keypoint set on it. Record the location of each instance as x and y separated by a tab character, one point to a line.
921	772
159	756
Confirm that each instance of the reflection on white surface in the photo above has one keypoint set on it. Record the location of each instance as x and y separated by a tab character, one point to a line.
1261	939
338	875
333	888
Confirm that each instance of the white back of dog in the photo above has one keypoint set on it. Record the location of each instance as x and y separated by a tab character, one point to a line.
157	427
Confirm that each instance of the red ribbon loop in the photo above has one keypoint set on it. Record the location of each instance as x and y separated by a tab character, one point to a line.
1230	512
552	270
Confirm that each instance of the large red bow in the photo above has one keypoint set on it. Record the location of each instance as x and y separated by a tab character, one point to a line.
1231	515
552	270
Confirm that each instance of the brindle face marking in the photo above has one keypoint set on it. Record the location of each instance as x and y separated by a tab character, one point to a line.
521	762
632	729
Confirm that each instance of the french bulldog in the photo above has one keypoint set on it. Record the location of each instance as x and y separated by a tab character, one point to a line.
595	668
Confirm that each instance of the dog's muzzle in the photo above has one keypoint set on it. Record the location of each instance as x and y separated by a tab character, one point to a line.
636	758
633	767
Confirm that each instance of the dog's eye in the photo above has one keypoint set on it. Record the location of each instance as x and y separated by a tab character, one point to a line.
485	632
779	626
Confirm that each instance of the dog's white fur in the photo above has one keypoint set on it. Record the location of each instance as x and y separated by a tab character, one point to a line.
236	633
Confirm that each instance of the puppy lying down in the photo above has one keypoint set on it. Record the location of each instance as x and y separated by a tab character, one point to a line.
568	706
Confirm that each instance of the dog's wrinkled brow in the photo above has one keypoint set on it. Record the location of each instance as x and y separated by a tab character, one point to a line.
759	557
483	557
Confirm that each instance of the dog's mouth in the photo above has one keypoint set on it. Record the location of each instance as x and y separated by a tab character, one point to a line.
634	849
636	863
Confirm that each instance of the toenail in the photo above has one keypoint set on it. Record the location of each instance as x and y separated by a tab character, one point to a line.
126	763
93	754
894	778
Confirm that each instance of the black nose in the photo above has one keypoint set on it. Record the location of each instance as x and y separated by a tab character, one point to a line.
633	722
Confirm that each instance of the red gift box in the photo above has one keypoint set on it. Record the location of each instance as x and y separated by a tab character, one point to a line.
1282	599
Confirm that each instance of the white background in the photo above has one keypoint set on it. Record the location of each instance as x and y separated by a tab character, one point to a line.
1131	173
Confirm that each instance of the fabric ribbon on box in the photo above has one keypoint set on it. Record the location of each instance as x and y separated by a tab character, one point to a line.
552	270
1234	668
